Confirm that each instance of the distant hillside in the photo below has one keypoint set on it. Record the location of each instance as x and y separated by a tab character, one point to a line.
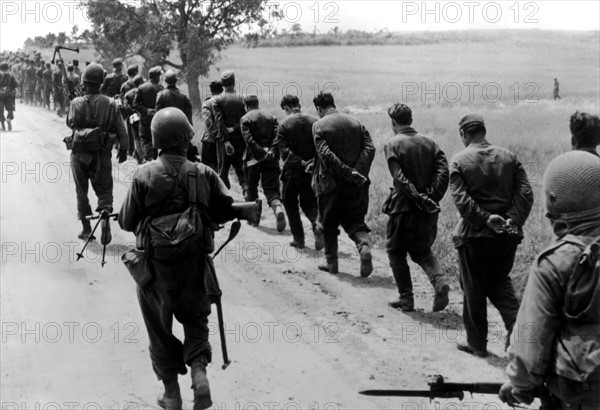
298	38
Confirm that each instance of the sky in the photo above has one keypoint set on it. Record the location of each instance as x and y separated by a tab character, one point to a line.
22	19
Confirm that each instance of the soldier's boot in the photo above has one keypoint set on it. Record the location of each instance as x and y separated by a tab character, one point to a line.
3	127
363	243
432	268
202	399
279	214
331	255
297	242
319	240
405	301
171	399
86	231
106	236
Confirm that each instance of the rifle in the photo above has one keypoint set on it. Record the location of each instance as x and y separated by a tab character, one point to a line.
438	388
73	92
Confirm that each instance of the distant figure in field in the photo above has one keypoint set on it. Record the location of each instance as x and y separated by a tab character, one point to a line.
585	132
556	86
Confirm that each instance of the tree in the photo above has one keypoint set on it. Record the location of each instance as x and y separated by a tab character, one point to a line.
198	30
296	30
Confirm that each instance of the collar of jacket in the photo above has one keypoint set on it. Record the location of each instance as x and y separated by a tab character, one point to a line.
479	143
330	111
172	87
296	111
406	130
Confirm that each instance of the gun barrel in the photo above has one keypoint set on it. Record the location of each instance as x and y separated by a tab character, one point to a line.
480	388
396	393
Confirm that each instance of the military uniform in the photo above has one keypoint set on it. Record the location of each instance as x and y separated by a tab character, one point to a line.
556	341
8	87
145	104
486	180
58	92
95	166
113	82
296	144
261	156
30	82
39	85
423	168
47	90
209	138
343	145
228	108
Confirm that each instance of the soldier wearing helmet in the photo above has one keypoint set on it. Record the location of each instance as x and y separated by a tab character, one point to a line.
8	89
180	288
173	97
94	110
419	170
145	104
492	193
111	85
557	334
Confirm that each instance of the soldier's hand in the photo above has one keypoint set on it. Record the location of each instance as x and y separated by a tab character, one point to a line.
229	150
122	156
428	205
309	168
270	156
357	178
496	223
505	394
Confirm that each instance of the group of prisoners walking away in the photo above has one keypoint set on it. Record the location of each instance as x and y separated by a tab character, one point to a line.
319	167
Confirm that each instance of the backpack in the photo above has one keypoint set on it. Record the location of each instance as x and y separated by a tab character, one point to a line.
582	295
182	234
89	139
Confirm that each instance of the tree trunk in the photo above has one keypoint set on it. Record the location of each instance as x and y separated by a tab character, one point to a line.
194	91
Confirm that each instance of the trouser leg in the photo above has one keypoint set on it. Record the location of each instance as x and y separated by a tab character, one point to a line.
236	160
102	183
329	220
252	179
308	200
81	177
500	288
2	117
224	163
396	250
270	173
290	202
472	266
209	155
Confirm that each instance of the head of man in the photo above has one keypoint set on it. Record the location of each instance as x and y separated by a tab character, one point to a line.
170	78
118	65
228	79
171	130
323	103
70	68
290	103
76	63
401	116
47	65
138	79
4	67
132	71
472	129
572	192
92	78
585	130
215	87
154	74
251	102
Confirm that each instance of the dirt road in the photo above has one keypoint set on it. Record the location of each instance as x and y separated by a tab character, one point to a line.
73	336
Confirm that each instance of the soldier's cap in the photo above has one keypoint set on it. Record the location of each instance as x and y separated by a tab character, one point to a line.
470	121
117	61
133	70
76	63
170	77
155	71
228	77
251	99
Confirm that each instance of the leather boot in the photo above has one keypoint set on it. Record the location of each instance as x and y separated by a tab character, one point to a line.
86	231
363	243
202	399
298	243
405	301
171	399
331	255
279	214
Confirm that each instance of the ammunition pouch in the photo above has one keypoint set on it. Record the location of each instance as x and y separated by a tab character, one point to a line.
249	211
136	263
88	140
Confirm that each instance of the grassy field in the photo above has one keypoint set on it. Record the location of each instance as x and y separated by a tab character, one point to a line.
368	79
507	78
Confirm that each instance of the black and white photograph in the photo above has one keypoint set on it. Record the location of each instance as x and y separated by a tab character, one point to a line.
309	204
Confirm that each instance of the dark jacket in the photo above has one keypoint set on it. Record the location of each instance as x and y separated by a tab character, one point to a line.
145	101
228	108
8	84
127	86
485	180
295	140
259	130
343	144
105	113
422	164
112	84
173	97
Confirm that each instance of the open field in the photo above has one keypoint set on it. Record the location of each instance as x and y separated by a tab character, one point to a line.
435	81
